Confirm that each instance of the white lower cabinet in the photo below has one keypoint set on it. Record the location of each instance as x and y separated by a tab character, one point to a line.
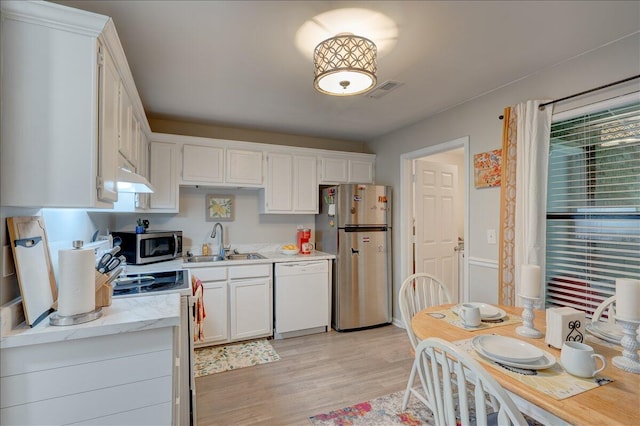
115	379
216	323
237	301
250	308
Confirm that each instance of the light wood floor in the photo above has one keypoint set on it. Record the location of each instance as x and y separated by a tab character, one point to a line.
316	374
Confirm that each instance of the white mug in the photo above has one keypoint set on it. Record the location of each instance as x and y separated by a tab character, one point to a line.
470	315
579	359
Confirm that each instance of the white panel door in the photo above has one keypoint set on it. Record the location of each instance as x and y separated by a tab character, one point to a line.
436	233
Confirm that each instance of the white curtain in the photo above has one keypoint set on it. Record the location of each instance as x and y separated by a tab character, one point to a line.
533	131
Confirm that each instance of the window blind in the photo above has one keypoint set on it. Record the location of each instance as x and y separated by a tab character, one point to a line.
593	205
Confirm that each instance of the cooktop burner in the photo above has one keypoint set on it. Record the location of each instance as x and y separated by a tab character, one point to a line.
140	284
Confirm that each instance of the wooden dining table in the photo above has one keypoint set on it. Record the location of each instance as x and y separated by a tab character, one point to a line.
615	403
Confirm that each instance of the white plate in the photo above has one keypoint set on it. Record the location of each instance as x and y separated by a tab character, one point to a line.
613	331
546	361
604	333
487	312
508	348
283	251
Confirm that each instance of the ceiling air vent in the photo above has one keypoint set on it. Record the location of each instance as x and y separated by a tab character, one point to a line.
384	88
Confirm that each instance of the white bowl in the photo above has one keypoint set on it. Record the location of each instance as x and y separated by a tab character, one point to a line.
283	251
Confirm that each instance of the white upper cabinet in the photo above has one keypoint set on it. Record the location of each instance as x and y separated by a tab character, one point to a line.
109	89
163	176
62	77
244	167
360	171
214	162
202	164
291	184
347	168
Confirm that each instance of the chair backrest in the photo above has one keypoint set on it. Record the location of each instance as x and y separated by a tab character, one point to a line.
417	292
442	381
606	307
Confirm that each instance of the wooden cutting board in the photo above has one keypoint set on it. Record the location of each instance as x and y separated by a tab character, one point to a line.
33	265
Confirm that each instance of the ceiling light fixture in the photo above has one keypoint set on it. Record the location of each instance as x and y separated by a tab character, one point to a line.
345	65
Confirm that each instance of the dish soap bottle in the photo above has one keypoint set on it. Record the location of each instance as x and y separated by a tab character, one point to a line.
206	251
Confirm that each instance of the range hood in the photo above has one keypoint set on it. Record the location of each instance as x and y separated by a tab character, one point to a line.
132	182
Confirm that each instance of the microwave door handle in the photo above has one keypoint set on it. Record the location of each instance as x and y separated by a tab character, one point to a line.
175	245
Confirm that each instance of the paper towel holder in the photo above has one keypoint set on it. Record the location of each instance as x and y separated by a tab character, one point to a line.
57	319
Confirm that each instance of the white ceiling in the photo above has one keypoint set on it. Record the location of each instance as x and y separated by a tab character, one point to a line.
235	63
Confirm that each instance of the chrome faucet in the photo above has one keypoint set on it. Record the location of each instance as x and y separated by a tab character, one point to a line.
213	235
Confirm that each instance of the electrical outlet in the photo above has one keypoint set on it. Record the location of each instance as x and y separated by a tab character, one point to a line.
7	262
491	236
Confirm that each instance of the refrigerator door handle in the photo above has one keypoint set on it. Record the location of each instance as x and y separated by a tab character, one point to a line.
366	229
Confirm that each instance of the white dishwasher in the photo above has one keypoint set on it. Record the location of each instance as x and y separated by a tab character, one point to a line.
301	298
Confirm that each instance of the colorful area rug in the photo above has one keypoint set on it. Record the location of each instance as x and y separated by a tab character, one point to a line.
216	359
385	410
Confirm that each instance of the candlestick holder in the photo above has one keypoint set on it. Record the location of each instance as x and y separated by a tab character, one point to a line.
527	329
629	359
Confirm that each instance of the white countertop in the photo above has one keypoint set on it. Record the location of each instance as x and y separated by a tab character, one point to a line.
128	314
125	315
271	256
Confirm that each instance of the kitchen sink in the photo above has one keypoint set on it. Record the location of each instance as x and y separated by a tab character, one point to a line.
245	256
233	256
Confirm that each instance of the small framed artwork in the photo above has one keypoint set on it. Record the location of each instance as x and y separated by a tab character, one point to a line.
219	208
487	169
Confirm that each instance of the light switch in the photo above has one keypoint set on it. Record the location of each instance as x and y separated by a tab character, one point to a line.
491	236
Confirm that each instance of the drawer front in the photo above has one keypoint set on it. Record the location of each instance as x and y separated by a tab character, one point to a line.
210	274
250	271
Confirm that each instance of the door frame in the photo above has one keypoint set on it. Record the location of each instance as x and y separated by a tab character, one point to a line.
406	196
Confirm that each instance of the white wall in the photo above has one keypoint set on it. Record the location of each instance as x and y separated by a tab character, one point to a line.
478	119
248	227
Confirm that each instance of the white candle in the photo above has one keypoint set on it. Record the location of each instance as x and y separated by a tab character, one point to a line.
628	299
530	280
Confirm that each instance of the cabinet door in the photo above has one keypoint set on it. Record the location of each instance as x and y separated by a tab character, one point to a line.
279	183
202	164
142	200
244	167
124	126
108	128
305	185
216	324
250	308
334	170
162	174
134	143
360	171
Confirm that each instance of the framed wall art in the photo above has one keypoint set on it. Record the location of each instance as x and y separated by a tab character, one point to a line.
219	208
487	169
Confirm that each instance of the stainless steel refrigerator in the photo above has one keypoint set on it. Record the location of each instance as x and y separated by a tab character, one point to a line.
355	224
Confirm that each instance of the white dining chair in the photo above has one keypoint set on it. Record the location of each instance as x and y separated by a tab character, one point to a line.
420	291
607	307
442	369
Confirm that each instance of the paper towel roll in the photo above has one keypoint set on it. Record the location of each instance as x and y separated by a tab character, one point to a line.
76	288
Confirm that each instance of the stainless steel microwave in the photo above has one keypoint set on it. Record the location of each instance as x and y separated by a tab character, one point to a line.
152	246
